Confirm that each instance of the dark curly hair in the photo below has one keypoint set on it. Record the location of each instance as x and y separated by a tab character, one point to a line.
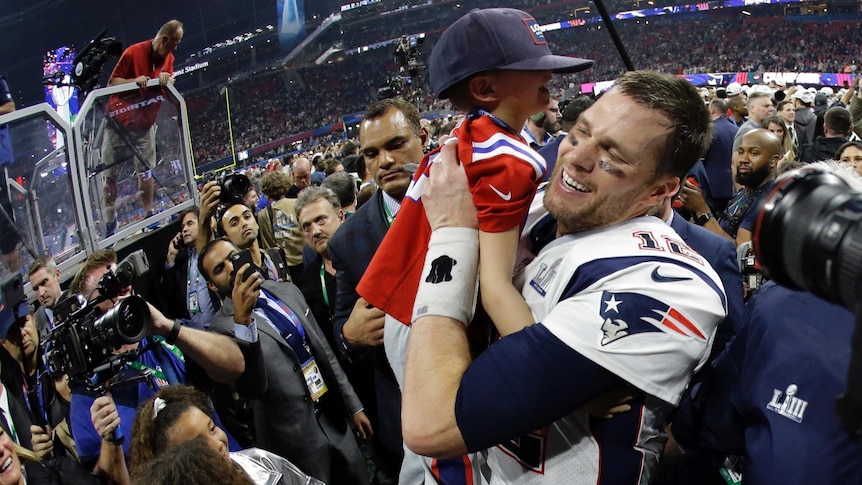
150	429
191	463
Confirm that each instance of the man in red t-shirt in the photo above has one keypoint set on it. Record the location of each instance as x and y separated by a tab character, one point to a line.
132	116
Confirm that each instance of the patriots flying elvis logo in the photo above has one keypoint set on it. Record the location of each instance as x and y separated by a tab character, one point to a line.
625	314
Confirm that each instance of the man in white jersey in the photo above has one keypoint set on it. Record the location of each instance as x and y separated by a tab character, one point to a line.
621	300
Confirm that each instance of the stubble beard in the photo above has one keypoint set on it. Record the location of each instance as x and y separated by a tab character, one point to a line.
599	211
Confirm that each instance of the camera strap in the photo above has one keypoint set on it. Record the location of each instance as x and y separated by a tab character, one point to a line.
738	207
290	328
162	372
192	288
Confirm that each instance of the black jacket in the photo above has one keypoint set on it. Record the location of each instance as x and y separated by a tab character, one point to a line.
822	149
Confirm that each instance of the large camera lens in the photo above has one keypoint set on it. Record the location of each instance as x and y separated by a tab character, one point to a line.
809	235
126	323
234	187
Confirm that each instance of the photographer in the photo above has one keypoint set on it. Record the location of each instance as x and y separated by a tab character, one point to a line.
95	418
236	221
769	397
183	289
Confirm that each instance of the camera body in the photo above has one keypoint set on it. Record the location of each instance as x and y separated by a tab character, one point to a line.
233	185
83	343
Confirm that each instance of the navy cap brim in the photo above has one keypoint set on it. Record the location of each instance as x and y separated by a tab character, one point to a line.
553	63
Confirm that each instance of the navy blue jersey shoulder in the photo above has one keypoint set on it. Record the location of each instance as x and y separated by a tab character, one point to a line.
523	370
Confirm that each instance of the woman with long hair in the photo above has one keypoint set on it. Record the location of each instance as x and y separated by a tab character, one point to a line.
776	125
178	414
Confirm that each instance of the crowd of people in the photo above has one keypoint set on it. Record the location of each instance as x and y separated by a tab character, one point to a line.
271	106
540	289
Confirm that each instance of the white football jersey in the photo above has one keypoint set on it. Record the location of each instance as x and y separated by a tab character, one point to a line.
636	300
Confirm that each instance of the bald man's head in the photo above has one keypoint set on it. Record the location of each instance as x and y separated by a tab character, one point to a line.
758	152
301	170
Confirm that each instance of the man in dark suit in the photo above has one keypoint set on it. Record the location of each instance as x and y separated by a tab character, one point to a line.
718	158
721	254
319	214
302	399
45	282
184	291
390	137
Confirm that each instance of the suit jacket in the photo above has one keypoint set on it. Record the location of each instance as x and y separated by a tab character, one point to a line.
42	318
20	417
312	290
41	321
742	130
288	422
718	160
174	288
351	249
721	254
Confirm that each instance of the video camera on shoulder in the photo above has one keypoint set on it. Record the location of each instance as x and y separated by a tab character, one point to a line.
233	185
83	343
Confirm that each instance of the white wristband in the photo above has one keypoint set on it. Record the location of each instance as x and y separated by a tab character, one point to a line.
448	285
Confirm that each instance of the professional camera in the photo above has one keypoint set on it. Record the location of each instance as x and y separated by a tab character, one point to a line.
808	236
234	186
90	61
82	345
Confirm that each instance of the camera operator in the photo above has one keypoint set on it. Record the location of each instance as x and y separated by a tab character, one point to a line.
770	396
183	289
129	122
759	153
94	418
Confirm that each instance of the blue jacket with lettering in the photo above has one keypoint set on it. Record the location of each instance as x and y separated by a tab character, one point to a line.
770	396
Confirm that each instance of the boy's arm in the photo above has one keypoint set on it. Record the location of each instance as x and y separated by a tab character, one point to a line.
502	301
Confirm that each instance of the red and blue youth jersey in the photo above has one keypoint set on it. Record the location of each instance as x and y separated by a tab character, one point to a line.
503	173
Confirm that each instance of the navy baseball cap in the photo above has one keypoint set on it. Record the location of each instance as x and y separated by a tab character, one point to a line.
489	39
